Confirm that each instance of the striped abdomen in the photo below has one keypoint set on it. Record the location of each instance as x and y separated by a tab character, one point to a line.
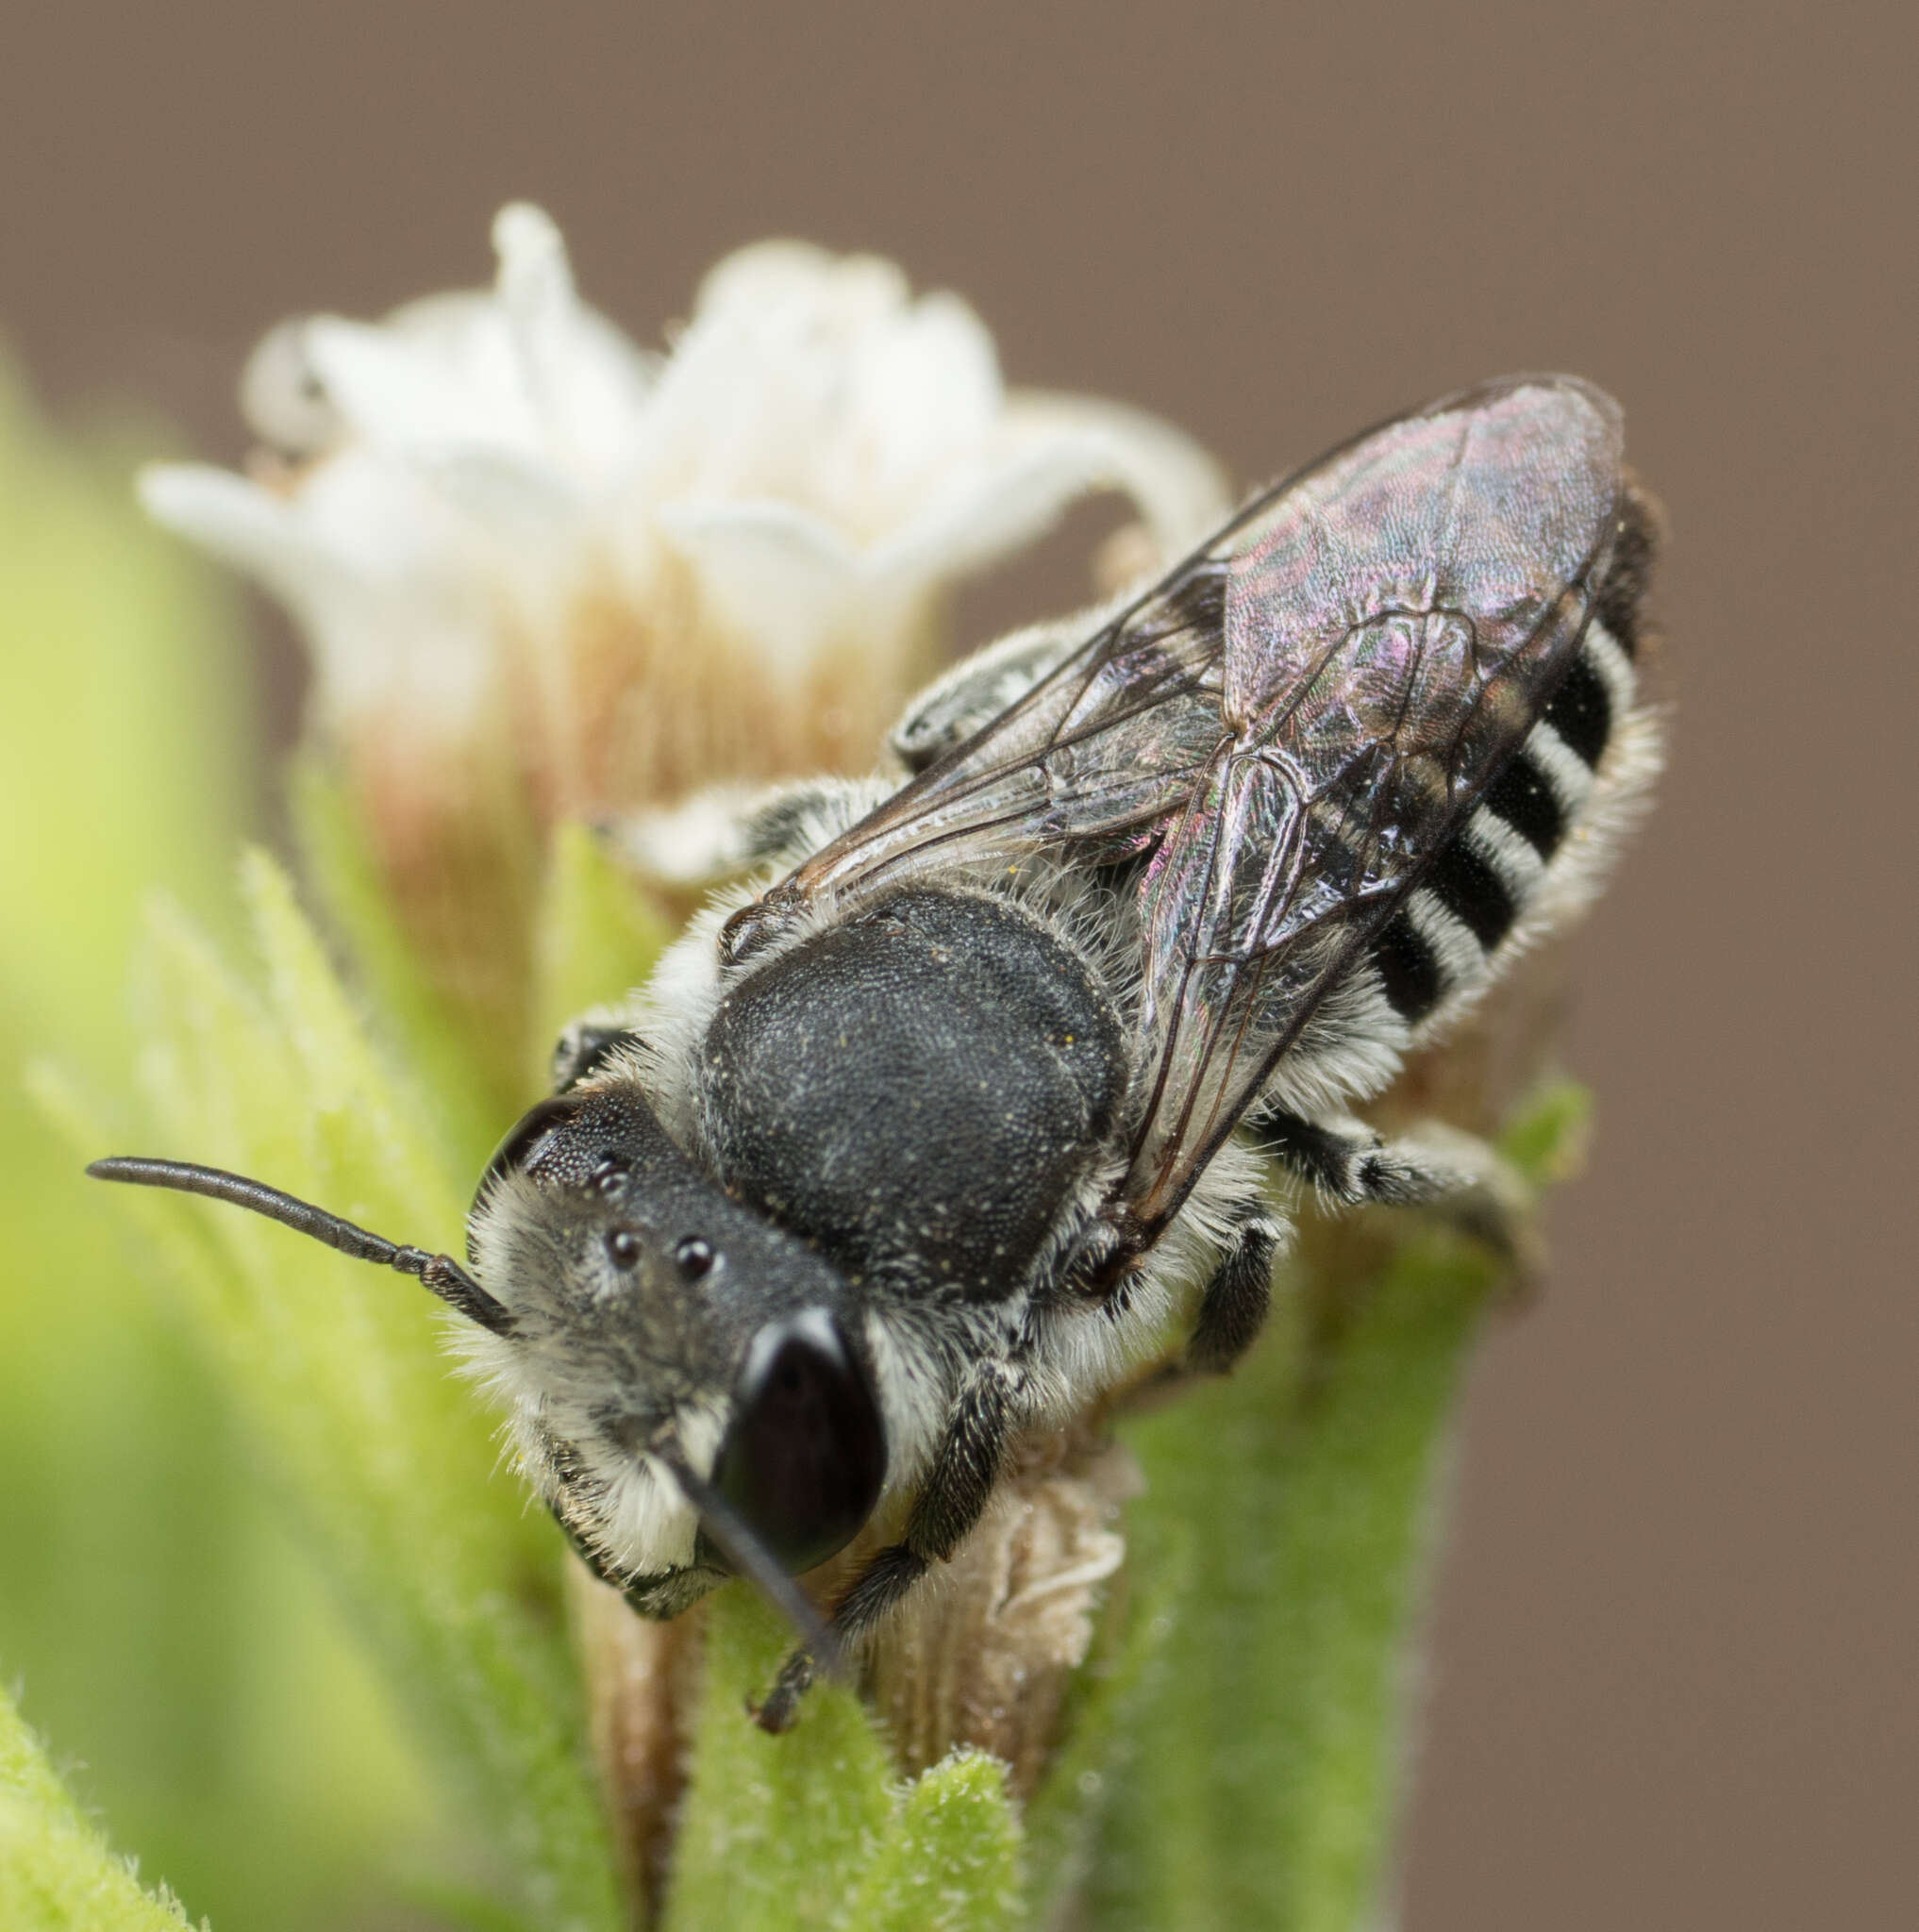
1535	845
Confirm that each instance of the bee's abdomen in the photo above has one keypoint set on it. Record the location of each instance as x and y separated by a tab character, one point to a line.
1519	836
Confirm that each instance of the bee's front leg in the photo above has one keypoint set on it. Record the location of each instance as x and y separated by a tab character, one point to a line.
728	829
966	1465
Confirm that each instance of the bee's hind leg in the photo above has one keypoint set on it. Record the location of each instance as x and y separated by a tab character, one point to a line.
973	1449
1459	1177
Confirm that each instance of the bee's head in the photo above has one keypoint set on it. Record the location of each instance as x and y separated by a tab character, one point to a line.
646	1307
651	1335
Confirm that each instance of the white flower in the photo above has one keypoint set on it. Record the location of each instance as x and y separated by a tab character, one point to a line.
498	522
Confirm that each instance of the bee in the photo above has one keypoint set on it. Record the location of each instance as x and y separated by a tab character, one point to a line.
967	1113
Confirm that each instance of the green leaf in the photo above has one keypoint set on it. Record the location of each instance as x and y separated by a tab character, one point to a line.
408	1009
949	1861
1262	1781
1102	1714
598	936
433	896
56	1872
1547	1141
1297	1503
775	1830
163	1623
123	697
810	1830
595	936
336	1371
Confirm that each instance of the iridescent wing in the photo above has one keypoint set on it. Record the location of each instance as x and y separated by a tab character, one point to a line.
1392	632
1295	722
1098	756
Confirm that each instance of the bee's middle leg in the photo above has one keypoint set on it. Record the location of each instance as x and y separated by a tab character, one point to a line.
1233	1309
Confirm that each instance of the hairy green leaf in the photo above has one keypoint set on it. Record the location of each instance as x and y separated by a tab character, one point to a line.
405	1006
163	1624
811	1830
337	1371
775	1830
1297	1501
1098	1729
56	1872
949	1860
596	938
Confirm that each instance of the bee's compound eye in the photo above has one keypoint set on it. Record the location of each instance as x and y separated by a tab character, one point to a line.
805	1459
623	1245
521	1147
695	1256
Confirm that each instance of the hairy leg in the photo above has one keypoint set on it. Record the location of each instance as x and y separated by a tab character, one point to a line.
733	828
1233	1309
1461	1177
954	1493
583	1049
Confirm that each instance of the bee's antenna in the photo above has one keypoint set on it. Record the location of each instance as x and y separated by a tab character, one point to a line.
735	1540
750	1557
442	1273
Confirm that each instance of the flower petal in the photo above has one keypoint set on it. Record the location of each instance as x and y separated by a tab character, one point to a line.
1182	491
237	521
985	511
589	384
810	379
396	604
458	385
769	275
921	394
1049	452
284	398
529	368
501	482
769	573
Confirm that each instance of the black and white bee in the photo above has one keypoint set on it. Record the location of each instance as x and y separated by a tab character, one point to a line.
974	1107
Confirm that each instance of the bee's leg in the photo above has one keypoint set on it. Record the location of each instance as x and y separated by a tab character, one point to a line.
965	1467
978	687
659	1596
1233	1309
1464	1179
1349	1163
733	828
584	1048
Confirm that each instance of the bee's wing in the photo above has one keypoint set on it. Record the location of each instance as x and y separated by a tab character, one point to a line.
1096	755
1299	716
1395	625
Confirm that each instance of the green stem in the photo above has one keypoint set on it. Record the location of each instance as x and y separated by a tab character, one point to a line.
1264	1769
1293	1509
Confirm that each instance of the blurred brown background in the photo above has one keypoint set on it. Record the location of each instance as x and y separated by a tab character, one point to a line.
1673	1679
